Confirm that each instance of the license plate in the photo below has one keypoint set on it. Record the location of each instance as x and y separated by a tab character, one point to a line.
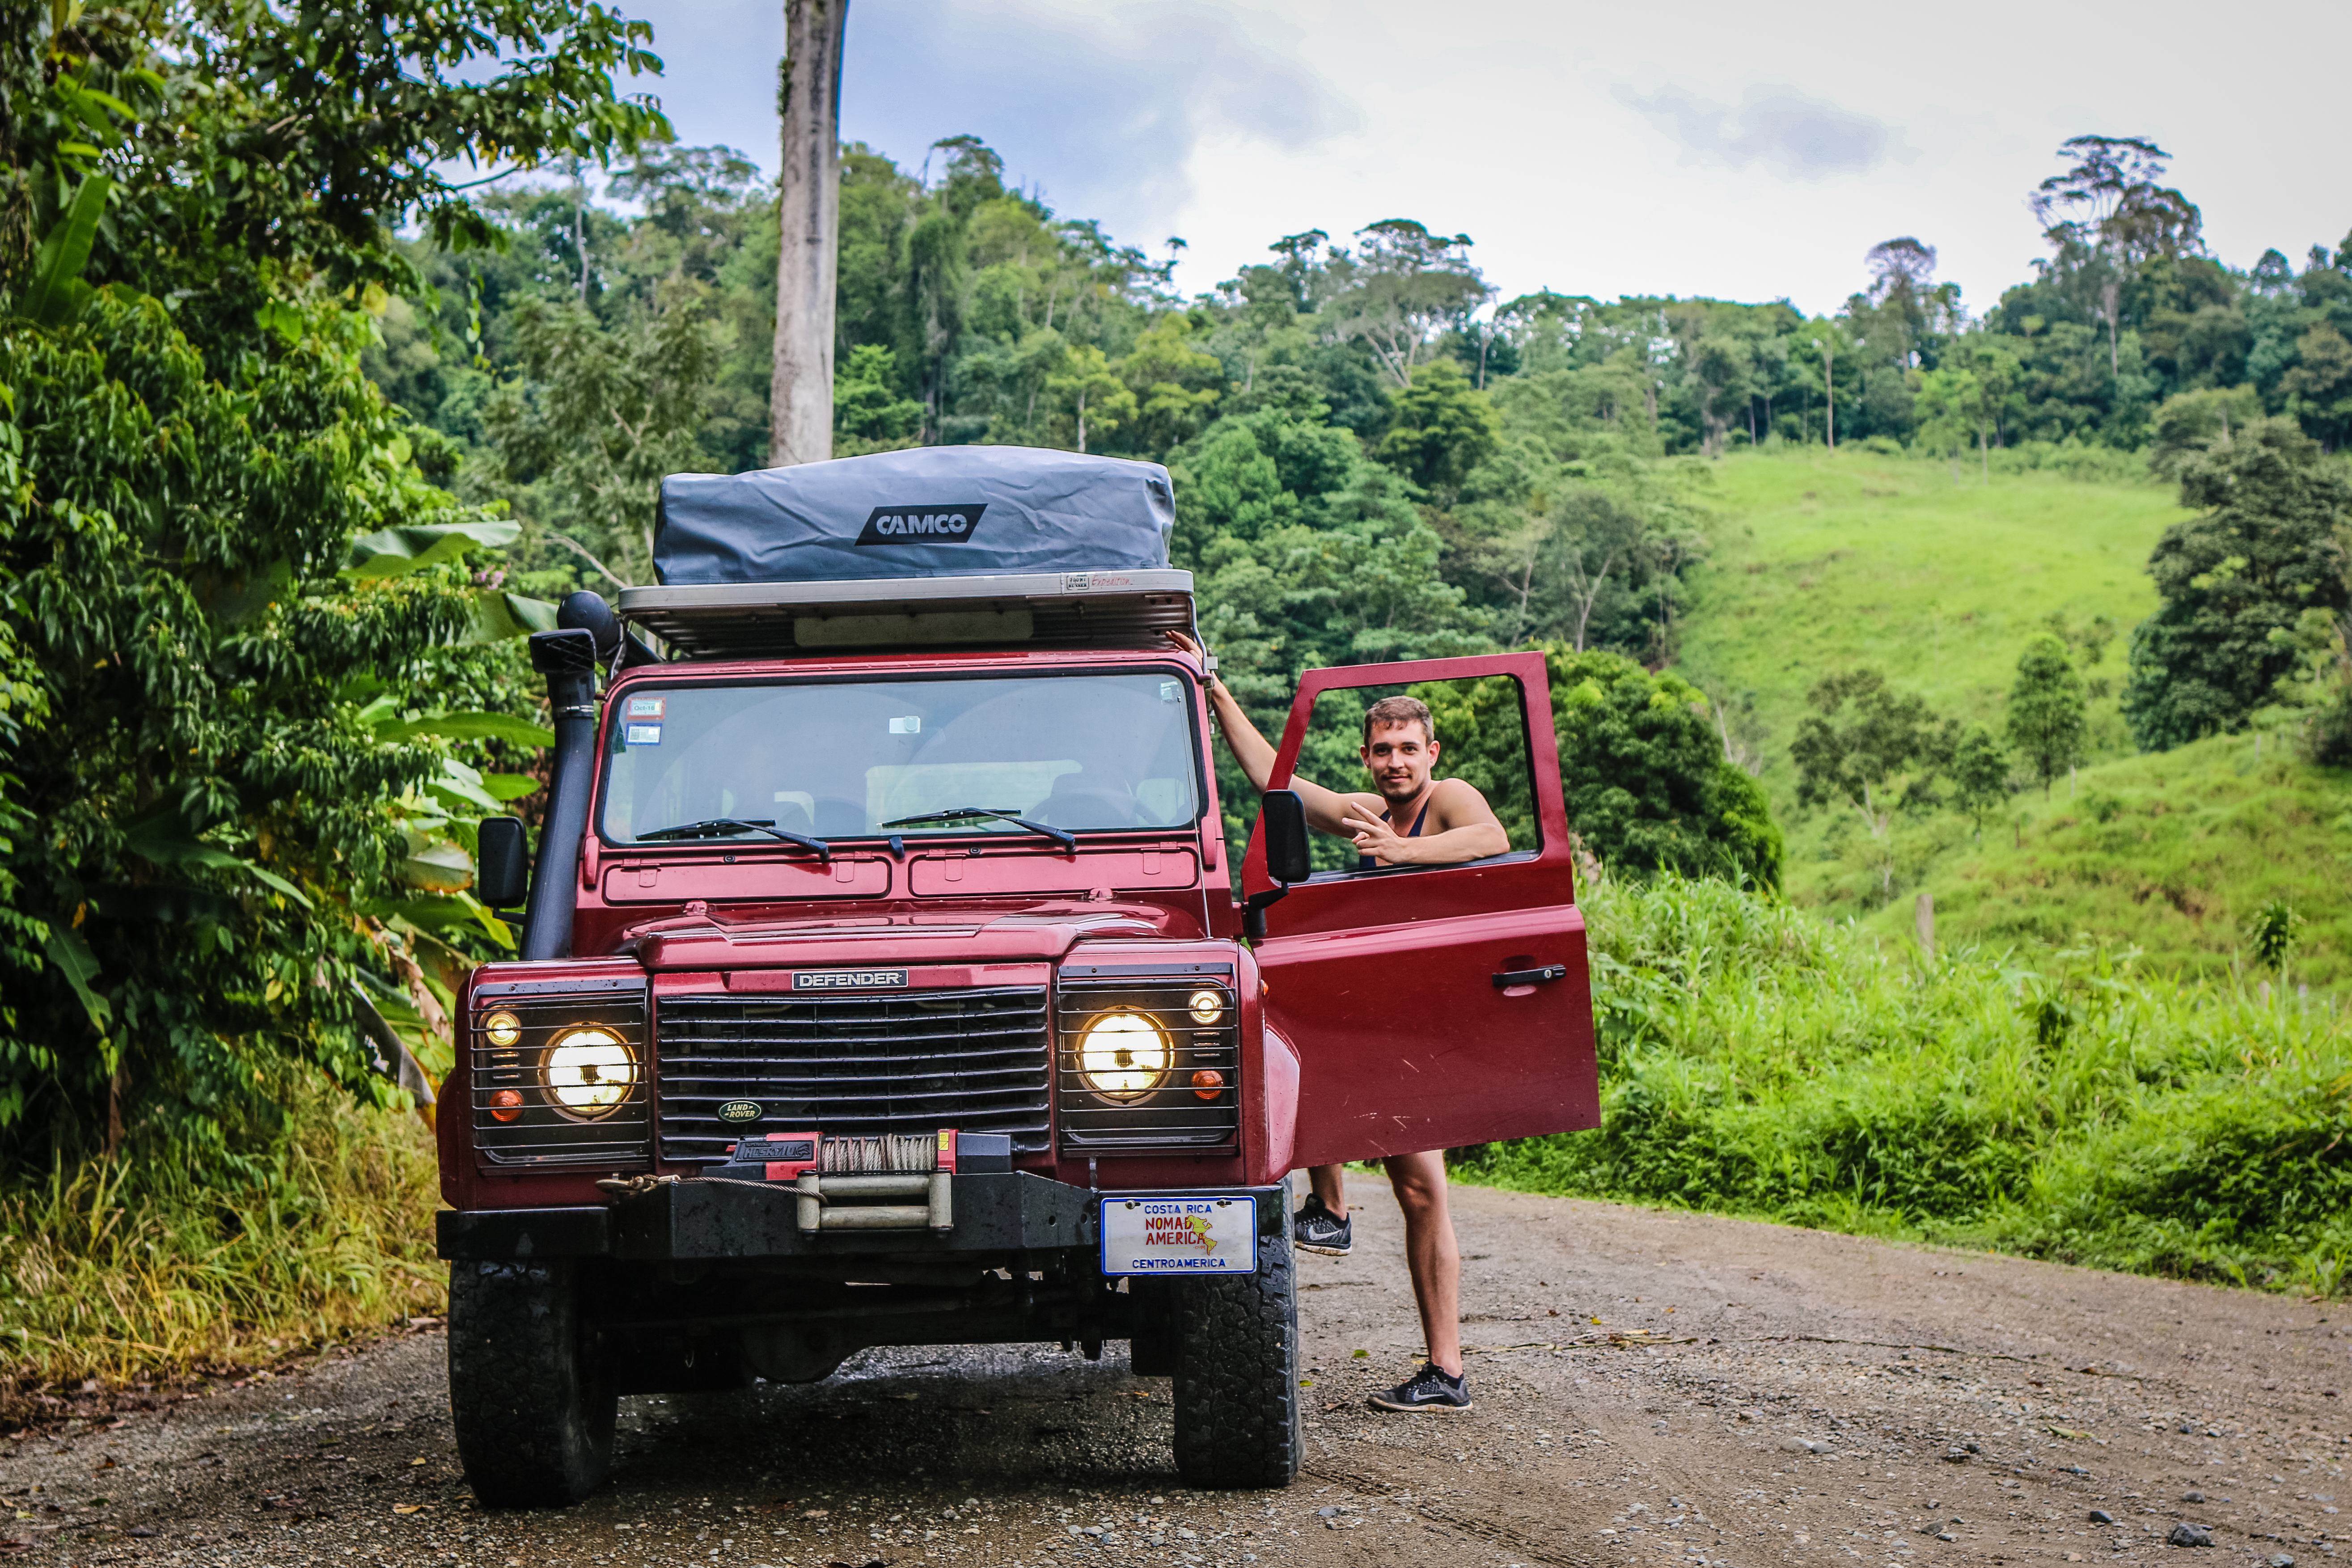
1179	1235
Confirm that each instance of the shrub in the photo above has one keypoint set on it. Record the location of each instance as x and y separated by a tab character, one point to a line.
2052	1102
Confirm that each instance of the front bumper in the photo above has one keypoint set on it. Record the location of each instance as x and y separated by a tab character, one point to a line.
711	1221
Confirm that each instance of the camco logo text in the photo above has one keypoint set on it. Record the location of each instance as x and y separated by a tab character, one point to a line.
939	524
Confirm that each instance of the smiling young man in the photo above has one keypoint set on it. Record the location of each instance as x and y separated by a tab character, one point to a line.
1414	819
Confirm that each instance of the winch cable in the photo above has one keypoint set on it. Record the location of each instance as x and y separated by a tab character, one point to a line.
639	1186
888	1154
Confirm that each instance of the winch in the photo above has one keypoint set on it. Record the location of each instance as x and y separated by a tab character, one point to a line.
844	1184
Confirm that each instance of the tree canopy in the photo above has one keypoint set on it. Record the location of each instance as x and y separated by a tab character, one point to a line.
2233	583
257	668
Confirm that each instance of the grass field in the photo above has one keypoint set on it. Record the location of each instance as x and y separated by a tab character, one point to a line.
1823	563
2171	853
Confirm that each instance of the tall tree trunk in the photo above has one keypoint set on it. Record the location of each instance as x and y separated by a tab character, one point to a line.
1829	393
800	398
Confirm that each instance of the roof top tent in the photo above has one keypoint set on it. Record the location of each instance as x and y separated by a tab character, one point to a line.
939	546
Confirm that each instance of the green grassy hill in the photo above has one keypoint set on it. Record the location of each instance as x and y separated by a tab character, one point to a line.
1825	562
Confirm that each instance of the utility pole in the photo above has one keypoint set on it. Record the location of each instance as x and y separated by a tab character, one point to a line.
800	396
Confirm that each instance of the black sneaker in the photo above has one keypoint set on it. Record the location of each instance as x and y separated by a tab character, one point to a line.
1428	1389
1316	1229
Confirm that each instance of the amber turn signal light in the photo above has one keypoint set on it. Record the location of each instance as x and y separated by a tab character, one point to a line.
1207	1083
505	1105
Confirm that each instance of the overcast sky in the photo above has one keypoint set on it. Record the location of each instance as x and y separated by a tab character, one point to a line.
1745	152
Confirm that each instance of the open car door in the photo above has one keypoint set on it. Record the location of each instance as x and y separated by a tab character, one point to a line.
1435	1006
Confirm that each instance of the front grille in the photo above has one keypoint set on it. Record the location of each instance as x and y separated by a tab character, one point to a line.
537	1129
975	1060
1170	1115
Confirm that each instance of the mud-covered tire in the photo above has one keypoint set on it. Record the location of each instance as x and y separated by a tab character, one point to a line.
1237	1413
532	1401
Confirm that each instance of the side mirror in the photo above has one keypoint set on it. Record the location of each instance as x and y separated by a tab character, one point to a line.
1284	817
502	863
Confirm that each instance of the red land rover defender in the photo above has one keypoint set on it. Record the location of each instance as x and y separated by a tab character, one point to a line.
881	982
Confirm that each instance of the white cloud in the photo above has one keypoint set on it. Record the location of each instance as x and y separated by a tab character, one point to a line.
1762	156
1779	127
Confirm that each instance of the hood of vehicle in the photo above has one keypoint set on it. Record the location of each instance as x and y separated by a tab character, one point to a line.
702	941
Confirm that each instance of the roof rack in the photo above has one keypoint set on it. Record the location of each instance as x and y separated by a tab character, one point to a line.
1040	609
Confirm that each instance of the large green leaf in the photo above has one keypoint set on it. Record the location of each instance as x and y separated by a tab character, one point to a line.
393	552
56	292
436	865
434	912
159	835
499	615
460	786
79	966
468	727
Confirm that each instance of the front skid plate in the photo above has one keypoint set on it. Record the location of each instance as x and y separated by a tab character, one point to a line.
690	1220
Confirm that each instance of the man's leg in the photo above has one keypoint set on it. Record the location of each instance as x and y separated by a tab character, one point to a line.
1324	1180
1432	1253
1321	1223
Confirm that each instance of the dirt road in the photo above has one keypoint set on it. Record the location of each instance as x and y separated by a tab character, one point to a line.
1650	1388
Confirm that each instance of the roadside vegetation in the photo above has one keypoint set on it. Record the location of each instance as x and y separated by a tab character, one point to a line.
2053	1101
131	1275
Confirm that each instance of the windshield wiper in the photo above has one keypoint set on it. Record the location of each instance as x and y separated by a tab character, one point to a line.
728	826
974	813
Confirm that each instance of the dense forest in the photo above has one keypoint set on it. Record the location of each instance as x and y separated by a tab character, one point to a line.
1376	455
970	311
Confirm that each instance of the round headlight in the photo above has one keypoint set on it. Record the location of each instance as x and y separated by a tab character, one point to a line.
1123	1056
503	1030
589	1072
1207	1007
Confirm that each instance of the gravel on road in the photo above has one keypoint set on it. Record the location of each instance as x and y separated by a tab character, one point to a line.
1650	1388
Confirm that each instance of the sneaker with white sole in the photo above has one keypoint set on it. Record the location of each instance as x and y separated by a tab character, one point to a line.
1428	1389
1315	1228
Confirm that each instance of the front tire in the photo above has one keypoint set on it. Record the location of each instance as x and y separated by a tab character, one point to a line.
532	1401
1237	1411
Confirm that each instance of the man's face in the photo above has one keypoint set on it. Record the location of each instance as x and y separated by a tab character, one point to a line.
1400	757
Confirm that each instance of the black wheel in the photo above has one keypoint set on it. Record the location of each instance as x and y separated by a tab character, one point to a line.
532	1403
1237	1414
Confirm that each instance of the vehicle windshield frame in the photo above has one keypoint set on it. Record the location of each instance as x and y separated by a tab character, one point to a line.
655	677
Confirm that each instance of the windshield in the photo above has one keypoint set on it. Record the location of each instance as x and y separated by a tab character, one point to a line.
842	760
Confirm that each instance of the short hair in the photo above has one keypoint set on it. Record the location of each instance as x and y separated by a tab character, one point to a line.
1400	710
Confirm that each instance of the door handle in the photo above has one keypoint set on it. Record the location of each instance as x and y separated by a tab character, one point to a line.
1510	977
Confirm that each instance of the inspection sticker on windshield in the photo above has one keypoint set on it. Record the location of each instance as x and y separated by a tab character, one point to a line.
645	735
1179	1235
647	707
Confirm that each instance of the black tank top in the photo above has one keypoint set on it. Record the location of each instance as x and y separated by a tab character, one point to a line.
1371	863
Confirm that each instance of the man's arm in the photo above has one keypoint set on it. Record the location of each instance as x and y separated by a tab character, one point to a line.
1327	810
1466	829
